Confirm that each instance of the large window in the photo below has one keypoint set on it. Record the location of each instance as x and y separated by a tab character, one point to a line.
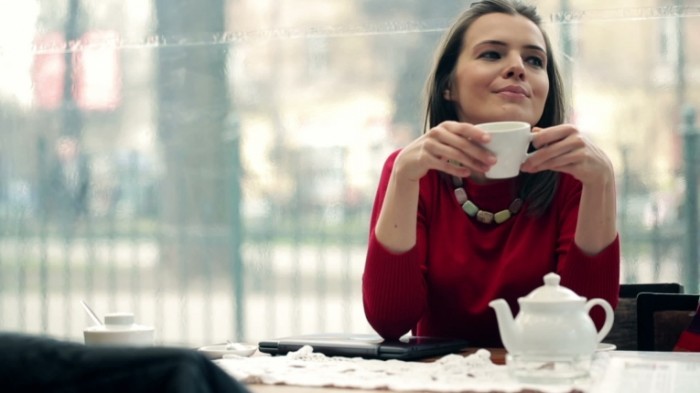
210	165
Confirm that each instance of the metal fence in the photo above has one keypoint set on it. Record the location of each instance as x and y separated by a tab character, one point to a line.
300	266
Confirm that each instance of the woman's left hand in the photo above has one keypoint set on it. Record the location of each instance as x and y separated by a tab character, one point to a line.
563	148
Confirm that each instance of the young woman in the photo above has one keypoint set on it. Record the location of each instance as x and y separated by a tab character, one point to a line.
432	267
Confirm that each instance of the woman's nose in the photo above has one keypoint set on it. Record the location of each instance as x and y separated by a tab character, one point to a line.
515	68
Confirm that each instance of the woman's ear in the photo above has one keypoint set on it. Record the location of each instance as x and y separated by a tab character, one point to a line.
447	95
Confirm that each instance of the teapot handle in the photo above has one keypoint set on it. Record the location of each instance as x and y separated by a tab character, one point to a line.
609	316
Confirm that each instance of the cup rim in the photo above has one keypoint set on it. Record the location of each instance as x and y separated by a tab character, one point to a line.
503	126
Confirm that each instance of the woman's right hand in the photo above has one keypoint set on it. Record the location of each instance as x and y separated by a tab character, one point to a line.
452	147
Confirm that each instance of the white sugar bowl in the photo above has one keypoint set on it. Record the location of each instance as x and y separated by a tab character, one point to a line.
119	329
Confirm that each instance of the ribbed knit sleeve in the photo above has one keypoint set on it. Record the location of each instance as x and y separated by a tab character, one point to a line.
590	276
596	276
393	290
393	286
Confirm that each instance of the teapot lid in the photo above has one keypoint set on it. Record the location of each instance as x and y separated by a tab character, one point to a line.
552	291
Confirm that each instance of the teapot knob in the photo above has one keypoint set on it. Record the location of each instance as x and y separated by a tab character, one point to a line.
552	279
551	291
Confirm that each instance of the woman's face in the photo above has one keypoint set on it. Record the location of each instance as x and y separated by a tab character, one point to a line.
501	73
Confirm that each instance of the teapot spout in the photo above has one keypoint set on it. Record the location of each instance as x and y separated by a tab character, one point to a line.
506	325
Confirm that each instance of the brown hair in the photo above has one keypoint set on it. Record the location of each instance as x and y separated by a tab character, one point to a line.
537	189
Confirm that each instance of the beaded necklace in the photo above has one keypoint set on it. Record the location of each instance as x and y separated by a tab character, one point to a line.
480	215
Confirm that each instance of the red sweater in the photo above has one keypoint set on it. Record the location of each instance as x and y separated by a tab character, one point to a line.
442	286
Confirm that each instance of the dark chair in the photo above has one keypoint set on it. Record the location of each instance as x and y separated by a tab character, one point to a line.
632	290
662	317
624	331
30	363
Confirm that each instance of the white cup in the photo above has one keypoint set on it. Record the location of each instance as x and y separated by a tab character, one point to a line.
119	329
509	142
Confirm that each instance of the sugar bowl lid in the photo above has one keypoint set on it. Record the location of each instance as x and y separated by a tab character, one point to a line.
119	319
551	291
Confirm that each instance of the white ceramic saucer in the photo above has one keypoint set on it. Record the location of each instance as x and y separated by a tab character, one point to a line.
219	351
603	347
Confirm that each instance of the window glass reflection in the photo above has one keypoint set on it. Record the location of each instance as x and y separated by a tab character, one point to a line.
210	165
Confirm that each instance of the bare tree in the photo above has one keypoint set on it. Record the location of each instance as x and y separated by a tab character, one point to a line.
200	194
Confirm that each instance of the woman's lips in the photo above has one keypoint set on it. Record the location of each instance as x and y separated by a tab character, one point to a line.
512	95
514	89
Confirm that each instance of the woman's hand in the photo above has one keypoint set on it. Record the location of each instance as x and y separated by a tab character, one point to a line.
451	147
563	148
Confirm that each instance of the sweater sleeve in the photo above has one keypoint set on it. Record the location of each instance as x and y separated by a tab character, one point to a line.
393	285
590	276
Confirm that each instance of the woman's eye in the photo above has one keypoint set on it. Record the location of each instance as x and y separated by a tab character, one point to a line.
535	61
491	55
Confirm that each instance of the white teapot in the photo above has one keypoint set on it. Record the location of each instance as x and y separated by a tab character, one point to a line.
553	325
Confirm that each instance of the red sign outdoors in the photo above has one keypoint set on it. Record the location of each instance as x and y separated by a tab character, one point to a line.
48	70
96	71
